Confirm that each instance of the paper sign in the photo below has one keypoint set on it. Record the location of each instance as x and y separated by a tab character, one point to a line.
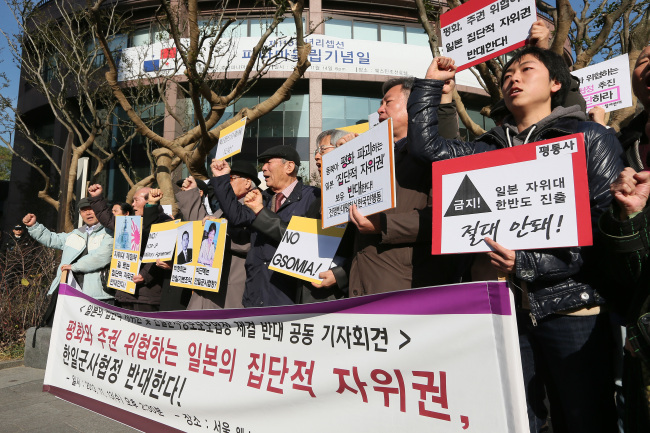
606	84
359	128
373	119
161	241
480	30
125	262
199	255
440	359
306	249
525	197
361	172
231	139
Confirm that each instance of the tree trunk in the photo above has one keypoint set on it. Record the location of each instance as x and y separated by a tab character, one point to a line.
163	158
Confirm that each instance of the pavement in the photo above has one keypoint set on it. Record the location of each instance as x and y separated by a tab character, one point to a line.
24	407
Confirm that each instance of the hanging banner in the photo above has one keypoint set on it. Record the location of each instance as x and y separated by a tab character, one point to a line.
362	172
161	241
606	83
199	255
231	139
306	249
480	30
443	359
125	262
524	197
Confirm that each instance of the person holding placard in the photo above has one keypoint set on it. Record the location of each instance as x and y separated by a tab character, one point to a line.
391	248
624	227
243	179
286	196
560	306
152	276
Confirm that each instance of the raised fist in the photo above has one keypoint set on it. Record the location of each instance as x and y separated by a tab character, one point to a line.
29	219
95	190
219	167
155	195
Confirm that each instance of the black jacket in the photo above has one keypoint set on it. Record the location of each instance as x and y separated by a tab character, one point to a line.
558	279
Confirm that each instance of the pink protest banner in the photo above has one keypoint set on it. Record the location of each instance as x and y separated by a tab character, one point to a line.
442	359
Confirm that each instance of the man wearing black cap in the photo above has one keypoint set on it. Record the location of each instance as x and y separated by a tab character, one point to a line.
243	178
86	250
286	196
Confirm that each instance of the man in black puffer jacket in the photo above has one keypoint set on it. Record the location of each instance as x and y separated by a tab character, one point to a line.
564	336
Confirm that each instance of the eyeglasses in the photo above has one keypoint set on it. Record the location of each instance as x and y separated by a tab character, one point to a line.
234	176
320	149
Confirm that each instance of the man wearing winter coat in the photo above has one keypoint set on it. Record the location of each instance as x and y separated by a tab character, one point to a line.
86	250
564	335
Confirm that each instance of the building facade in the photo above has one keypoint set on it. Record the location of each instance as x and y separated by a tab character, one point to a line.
357	46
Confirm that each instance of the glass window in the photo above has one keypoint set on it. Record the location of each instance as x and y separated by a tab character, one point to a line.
392	34
339	28
339	111
140	37
417	36
365	31
259	26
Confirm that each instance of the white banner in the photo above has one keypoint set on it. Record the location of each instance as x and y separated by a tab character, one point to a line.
480	30
443	359
361	172
607	83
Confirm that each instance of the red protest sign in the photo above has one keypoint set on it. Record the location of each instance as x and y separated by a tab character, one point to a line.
525	197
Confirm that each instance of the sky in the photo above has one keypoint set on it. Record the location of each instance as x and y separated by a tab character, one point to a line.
8	25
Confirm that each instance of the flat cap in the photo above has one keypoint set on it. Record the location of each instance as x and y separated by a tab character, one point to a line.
245	169
284	152
84	202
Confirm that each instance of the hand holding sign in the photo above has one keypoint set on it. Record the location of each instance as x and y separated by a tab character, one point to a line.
328	280
539	35
366	225
441	68
501	258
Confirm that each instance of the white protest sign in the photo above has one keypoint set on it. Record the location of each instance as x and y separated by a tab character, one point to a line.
373	119
606	84
231	139
125	262
440	359
361	172
525	197
480	30
306	249
161	241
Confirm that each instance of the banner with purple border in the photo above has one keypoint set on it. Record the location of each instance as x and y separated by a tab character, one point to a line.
442	359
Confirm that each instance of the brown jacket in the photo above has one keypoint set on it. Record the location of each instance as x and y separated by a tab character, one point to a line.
400	256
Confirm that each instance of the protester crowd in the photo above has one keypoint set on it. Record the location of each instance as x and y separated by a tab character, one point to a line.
569	301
